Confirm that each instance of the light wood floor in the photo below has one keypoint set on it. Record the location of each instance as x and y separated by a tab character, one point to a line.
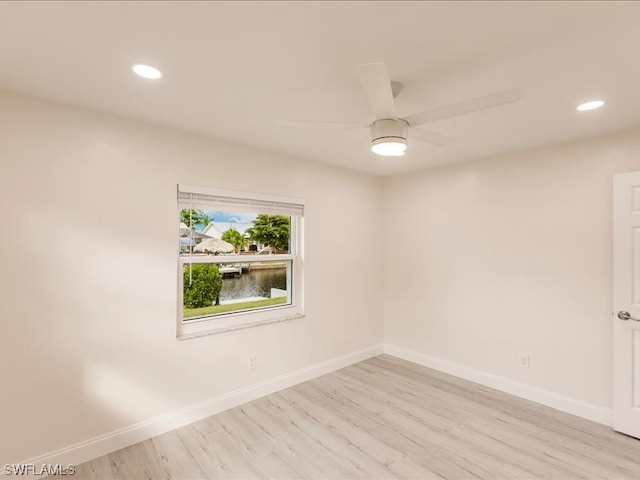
381	418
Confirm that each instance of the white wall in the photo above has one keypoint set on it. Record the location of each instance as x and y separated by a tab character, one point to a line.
510	255
481	261
88	273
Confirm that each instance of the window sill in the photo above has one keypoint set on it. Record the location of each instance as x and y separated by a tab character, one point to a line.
185	331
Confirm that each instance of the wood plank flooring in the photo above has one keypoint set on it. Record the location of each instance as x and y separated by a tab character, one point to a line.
381	418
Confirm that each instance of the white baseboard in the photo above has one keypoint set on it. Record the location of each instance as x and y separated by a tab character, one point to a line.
110	442
545	397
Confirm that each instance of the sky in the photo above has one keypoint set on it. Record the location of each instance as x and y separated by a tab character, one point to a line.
244	219
218	216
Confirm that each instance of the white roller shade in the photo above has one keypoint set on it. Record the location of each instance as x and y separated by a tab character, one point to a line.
231	201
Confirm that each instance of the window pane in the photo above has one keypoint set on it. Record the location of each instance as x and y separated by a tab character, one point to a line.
210	290
216	232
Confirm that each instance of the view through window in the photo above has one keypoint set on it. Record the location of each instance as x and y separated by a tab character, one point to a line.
237	255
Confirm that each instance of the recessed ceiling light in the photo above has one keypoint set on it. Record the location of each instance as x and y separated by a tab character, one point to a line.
592	105
146	71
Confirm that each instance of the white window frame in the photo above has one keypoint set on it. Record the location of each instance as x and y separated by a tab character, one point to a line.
248	318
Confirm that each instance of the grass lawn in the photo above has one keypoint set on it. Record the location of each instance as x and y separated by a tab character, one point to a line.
232	307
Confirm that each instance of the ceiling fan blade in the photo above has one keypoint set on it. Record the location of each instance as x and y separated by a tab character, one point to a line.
315	123
430	137
377	88
464	107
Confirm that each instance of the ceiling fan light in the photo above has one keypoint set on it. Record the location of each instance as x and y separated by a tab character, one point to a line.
389	137
389	147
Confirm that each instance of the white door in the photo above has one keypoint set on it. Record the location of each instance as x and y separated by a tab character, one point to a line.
626	303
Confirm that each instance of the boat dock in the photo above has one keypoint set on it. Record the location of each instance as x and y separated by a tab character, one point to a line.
235	270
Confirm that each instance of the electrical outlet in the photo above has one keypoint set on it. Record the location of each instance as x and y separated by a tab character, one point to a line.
523	360
251	361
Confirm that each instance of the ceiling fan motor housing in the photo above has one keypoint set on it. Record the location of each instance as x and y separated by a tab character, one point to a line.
389	130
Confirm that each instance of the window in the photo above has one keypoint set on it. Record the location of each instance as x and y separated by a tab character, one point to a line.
239	260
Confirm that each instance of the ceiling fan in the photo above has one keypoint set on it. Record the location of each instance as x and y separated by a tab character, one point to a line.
388	131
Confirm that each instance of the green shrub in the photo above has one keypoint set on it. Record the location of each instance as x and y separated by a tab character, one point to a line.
202	284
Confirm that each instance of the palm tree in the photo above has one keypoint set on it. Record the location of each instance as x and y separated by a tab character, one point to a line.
204	220
192	218
235	238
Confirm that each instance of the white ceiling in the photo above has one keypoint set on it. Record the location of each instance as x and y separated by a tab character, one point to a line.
233	69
